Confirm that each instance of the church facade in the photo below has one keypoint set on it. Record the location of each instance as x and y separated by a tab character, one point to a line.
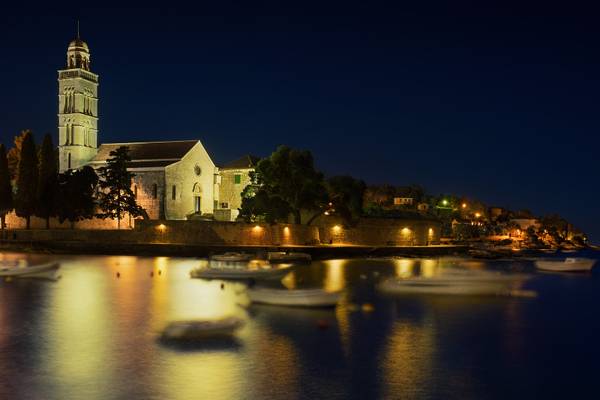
173	179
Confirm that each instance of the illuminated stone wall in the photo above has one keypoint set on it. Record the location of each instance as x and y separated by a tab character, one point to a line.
380	232
14	222
230	233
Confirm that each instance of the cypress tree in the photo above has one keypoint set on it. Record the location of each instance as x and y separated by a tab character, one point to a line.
6	196
116	197
47	181
27	179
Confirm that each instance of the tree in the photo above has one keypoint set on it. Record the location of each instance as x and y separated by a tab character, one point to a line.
6	196
14	154
27	179
46	188
75	195
345	198
286	180
116	197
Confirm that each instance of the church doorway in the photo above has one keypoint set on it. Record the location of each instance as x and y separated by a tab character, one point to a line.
197	198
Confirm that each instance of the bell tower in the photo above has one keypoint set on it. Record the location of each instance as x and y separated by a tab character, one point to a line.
77	108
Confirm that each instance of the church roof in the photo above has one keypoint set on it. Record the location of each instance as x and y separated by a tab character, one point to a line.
148	154
247	161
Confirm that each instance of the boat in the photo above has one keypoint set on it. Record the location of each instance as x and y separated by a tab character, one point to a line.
567	265
288	257
459	282
232	256
202	329
40	271
255	269
486	254
294	298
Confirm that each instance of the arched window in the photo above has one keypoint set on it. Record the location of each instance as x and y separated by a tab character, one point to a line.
68	160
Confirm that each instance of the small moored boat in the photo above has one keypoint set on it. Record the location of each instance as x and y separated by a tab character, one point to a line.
459	282
296	297
40	271
255	269
288	257
232	256
202	329
566	265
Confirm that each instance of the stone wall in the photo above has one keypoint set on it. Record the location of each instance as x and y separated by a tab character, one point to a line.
380	232
14	222
230	193
229	233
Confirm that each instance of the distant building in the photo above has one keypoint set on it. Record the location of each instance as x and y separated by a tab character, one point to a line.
389	197
234	177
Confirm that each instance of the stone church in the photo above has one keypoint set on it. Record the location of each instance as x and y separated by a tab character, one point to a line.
173	179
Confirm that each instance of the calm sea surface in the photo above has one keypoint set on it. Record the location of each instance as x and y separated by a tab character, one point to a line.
91	335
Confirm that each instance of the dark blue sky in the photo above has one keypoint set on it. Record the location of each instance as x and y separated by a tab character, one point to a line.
496	103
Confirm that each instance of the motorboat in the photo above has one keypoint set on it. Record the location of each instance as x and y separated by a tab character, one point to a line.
295	297
231	256
202	329
288	257
254	269
459	282
22	270
567	265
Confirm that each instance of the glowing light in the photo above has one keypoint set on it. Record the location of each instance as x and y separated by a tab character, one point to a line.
257	228
477	215
161	227
445	202
464	205
405	231
430	232
336	228
286	231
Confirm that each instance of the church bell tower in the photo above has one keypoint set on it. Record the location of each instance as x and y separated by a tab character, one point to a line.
77	108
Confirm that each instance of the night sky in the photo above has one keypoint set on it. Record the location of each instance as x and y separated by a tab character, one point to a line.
496	103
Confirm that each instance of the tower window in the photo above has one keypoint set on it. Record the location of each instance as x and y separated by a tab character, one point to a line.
68	160
174	192
155	191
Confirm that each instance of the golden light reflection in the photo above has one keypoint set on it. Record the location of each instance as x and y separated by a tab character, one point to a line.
429	267
405	267
409	358
334	275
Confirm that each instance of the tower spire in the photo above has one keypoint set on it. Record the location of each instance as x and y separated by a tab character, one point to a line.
77	29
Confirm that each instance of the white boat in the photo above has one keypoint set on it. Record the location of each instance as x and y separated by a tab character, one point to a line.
202	329
287	257
296	297
42	271
232	256
566	265
255	269
459	282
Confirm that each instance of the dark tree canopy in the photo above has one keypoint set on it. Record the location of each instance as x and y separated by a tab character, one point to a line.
284	183
75	194
346	197
116	199
6	196
47	181
27	179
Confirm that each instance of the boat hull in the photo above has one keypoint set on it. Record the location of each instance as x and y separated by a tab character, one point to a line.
294	298
241	274
42	271
202	330
562	266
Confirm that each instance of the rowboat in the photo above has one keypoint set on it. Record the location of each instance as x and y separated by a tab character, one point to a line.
294	298
40	271
566	265
288	257
458	282
255	269
202	329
